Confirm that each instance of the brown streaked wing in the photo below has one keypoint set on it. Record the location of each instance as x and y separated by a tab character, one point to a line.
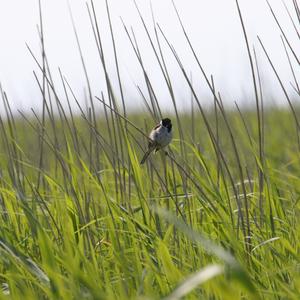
157	126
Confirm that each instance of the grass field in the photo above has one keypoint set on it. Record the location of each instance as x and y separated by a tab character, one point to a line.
215	218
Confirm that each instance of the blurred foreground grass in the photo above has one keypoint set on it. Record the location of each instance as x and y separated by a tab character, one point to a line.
80	218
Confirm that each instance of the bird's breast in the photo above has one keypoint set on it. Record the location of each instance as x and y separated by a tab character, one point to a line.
161	136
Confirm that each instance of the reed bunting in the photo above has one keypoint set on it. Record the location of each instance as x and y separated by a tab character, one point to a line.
160	136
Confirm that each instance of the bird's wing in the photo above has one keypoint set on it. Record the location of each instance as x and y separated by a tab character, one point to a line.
157	126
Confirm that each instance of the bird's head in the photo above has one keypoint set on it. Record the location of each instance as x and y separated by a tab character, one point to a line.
166	122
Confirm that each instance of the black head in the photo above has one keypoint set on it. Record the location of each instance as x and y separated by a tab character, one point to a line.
167	123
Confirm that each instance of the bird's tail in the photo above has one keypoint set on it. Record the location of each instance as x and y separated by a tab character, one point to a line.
146	155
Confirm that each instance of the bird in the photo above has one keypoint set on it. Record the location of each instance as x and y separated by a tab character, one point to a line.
159	137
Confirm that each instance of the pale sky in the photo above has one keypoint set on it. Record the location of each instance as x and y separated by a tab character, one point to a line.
212	25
